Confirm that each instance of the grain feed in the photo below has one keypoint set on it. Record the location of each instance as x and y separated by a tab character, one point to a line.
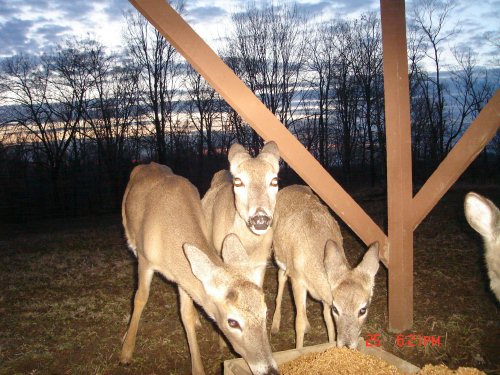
343	361
443	370
337	361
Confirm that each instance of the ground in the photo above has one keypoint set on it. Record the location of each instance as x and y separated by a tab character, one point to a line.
67	287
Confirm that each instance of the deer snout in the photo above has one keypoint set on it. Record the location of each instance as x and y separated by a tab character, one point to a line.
264	369
260	220
262	362
272	371
351	344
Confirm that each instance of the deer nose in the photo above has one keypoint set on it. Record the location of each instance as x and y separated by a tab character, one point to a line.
352	345
260	220
271	371
349	344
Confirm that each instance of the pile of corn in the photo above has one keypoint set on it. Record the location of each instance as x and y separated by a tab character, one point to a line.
343	361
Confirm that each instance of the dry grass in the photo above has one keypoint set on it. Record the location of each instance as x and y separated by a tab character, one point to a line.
67	288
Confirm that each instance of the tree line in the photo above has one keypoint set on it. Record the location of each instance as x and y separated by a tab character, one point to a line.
75	120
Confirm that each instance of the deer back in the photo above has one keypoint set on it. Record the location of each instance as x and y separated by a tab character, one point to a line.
302	227
162	211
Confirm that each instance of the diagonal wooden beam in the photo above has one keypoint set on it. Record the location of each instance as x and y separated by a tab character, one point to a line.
478	135
399	167
171	25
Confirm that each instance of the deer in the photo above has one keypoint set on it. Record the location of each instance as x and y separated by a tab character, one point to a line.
308	249
242	201
166	230
484	217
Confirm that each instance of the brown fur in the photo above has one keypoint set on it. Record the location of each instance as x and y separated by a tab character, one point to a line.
229	209
166	230
304	234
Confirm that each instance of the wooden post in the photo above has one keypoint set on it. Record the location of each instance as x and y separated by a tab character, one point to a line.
171	25
399	168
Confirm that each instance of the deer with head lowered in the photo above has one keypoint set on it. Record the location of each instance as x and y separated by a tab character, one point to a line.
484	217
166	229
308	248
242	202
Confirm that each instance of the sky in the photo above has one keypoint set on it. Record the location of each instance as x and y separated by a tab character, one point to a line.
32	26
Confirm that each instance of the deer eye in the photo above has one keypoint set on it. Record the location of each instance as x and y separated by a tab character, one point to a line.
362	311
237	182
274	182
233	324
335	311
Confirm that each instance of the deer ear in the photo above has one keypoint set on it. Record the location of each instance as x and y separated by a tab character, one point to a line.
209	274
481	214
235	255
233	251
335	262
236	155
370	262
271	154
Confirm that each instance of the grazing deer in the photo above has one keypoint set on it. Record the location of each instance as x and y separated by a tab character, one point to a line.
484	217
166	229
242	202
308	248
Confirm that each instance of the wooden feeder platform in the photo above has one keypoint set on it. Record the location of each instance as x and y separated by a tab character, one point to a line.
238	366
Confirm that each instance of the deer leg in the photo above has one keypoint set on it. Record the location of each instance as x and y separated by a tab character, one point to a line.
301	322
189	316
327	315
261	275
277	311
145	274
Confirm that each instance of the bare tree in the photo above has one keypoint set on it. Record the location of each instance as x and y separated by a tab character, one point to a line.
471	91
321	66
268	44
48	95
160	73
202	111
471	88
429	17
367	66
417	74
346	99
110	112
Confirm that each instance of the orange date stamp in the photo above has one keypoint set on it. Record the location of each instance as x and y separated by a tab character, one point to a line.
410	340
